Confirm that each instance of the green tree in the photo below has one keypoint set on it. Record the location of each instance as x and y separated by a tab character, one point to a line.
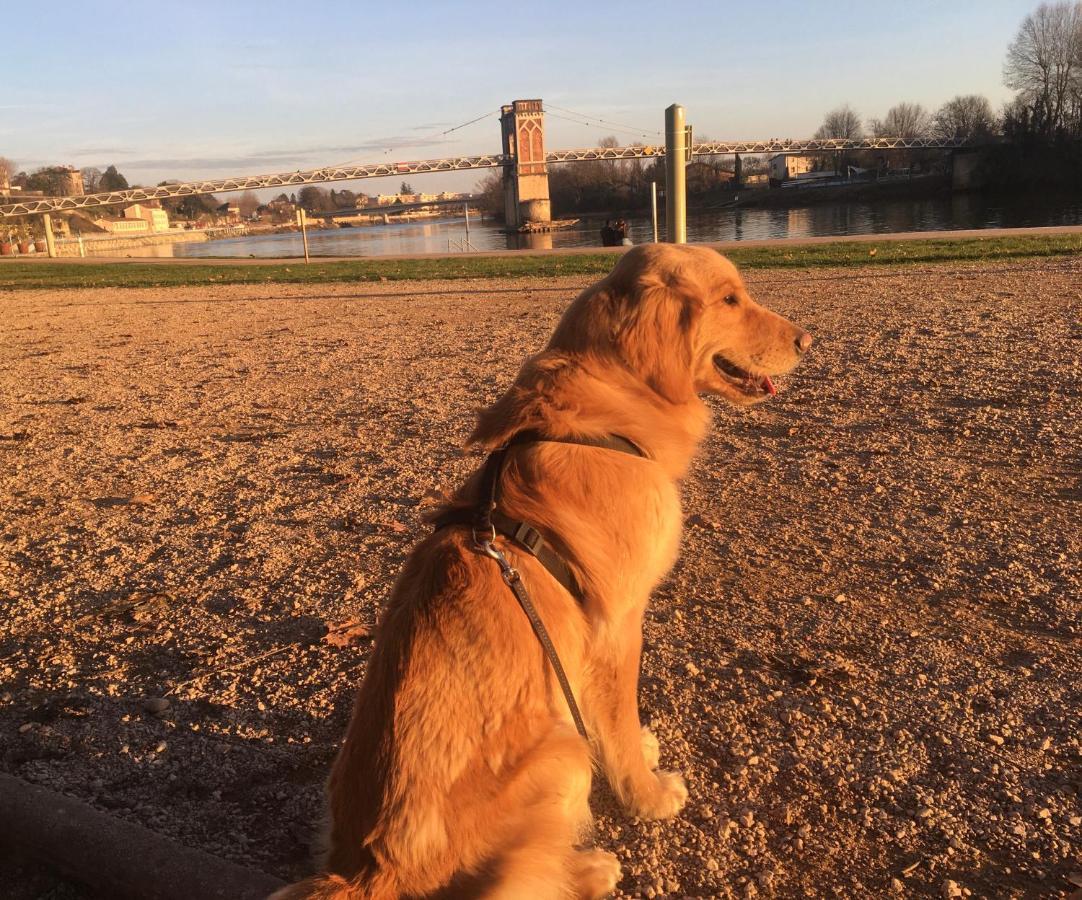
314	199
112	180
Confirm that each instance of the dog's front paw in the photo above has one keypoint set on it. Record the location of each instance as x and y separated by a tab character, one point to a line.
596	874
651	752
667	798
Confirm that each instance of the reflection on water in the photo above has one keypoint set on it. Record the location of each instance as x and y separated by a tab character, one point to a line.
439	236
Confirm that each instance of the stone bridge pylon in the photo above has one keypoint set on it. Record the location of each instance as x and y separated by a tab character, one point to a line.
526	181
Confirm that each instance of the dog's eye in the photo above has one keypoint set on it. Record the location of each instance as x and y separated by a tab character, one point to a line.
731	299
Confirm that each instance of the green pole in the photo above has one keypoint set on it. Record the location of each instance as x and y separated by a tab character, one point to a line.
675	175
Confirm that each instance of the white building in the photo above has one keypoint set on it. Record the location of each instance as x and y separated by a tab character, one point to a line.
789	165
156	219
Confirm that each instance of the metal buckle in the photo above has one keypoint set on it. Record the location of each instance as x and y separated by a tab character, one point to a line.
530	538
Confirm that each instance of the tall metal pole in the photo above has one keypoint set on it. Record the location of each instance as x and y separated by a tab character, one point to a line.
302	220
466	214
675	175
50	238
653	207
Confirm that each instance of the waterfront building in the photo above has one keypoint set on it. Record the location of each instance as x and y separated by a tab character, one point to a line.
156	219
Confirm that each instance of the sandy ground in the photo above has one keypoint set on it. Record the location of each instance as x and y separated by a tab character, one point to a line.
866	662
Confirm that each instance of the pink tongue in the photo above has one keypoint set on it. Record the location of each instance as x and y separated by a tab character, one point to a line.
769	385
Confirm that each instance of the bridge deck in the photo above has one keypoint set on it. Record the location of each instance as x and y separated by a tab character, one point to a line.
457	163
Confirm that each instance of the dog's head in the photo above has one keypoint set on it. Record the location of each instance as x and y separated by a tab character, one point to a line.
681	319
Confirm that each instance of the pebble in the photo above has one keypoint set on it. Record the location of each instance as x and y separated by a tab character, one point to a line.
896	885
996	739
156	705
951	889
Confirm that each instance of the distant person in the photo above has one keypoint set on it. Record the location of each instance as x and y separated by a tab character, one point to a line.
609	235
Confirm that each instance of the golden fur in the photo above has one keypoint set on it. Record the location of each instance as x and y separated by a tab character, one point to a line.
461	774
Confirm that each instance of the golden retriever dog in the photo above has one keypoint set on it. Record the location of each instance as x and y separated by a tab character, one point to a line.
462	774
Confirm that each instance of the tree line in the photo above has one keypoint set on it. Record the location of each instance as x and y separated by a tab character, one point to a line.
1036	135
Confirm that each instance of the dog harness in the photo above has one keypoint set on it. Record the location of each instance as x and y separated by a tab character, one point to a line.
487	522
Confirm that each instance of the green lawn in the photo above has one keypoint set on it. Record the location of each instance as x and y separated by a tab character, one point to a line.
25	276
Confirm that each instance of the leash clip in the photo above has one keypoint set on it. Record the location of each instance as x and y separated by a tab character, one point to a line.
487	547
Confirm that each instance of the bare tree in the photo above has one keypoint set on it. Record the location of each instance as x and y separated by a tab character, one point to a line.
1044	63
964	116
903	120
248	204
91	179
842	123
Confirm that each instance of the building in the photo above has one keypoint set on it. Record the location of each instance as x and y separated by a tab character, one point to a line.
124	226
156	219
789	165
72	181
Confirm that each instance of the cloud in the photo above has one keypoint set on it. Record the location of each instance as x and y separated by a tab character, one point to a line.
102	151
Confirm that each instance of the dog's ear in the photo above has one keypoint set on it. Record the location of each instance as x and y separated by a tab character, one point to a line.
653	333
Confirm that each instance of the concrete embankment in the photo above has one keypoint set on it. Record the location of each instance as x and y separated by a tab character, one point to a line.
69	247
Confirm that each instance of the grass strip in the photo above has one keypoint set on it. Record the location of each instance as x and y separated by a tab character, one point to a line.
60	275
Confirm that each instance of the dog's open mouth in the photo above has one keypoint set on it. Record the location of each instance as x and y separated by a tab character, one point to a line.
743	380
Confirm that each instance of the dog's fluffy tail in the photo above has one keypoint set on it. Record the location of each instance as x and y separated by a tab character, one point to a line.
334	887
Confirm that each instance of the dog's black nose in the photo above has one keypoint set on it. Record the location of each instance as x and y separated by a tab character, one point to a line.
803	342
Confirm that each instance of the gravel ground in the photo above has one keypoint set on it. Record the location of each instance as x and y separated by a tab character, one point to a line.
866	662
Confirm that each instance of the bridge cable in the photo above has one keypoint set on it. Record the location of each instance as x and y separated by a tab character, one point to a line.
425	138
598	119
603	127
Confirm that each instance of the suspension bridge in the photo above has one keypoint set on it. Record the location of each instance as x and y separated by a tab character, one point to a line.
524	161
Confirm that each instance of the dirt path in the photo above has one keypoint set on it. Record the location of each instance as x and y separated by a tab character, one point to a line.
866	663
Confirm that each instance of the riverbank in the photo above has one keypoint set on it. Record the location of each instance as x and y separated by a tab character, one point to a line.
898	249
99	244
865	662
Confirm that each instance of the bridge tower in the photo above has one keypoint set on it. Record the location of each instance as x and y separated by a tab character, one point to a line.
526	180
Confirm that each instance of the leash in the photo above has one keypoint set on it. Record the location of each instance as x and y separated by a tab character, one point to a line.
486	521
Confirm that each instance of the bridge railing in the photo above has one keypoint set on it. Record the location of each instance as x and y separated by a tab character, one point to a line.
456	163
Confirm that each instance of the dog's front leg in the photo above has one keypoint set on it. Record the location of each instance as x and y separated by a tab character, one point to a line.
629	751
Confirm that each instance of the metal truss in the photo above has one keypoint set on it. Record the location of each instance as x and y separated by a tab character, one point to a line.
251	182
718	148
714	148
455	163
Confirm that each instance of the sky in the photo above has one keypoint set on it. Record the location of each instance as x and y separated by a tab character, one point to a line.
198	89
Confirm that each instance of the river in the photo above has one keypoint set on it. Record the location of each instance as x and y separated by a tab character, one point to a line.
439	236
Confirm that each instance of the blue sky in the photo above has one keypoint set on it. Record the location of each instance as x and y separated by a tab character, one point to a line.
202	89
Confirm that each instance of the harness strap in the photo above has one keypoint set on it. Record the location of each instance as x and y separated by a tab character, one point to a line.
486	521
514	581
